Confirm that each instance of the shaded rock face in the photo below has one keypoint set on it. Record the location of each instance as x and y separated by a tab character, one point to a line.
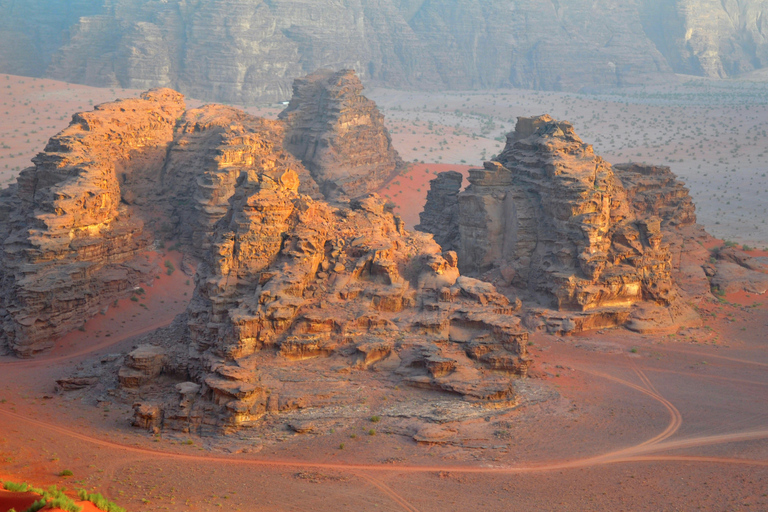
655	191
708	37
339	134
243	51
441	211
69	240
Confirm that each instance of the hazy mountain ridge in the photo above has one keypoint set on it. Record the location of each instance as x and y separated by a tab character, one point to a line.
250	50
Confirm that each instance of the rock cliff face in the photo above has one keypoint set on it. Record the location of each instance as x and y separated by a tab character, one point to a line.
212	147
243	51
291	279
708	37
551	218
69	238
339	134
441	212
138	170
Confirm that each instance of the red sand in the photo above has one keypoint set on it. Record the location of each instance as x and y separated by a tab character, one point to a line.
409	190
19	501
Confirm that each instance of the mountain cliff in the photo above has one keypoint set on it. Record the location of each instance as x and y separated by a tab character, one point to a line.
246	51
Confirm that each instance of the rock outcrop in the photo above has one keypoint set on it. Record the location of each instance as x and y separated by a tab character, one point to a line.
339	134
292	286
212	147
70	239
441	211
244	51
655	191
135	171
290	281
551	219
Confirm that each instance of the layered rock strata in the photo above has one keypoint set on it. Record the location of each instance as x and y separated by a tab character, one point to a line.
244	51
140	170
70	240
441	211
213	145
290	280
551	219
339	134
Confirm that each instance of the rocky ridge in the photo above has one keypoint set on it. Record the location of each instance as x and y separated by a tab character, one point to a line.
70	241
246	51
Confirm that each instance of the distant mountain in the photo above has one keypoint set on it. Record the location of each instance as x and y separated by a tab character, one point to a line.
247	51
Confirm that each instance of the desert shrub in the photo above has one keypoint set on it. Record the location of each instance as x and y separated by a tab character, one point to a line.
34	507
729	243
745	247
66	472
100	501
169	268
65	503
14	487
375	419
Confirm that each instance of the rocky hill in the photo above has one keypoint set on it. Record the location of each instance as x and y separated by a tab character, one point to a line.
70	240
142	170
245	51
551	219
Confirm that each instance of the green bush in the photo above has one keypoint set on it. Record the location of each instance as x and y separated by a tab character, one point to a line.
100	501
375	419
66	472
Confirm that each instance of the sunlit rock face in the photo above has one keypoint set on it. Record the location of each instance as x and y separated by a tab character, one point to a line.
69	237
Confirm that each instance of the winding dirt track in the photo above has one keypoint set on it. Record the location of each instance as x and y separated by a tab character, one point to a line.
650	450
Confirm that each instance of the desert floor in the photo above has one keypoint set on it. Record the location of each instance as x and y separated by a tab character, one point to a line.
608	420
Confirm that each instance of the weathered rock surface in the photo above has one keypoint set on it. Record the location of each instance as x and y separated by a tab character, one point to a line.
735	271
441	212
242	51
140	170
551	219
655	191
212	147
292	286
70	241
339	134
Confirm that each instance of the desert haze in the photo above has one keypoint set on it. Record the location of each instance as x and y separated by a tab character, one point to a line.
394	255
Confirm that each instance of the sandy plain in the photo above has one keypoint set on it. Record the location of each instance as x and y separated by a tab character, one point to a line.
608	421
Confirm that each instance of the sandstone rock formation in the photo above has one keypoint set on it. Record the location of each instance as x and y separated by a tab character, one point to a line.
441	211
243	51
339	134
290	280
213	146
655	191
69	239
551	219
135	171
